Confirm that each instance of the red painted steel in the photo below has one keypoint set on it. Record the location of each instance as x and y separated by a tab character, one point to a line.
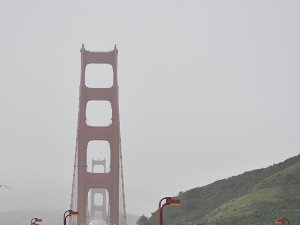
124	218
85	133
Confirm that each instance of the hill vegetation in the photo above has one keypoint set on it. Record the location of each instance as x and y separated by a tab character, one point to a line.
254	198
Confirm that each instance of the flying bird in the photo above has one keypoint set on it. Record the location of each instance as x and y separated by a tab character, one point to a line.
1	185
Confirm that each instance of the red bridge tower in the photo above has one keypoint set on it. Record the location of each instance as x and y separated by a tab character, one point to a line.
83	180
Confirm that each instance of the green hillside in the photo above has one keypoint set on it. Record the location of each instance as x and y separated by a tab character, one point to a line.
256	197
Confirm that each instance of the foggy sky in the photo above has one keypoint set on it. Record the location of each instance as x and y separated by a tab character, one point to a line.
208	90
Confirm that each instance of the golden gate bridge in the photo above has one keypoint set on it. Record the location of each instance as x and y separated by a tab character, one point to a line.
98	196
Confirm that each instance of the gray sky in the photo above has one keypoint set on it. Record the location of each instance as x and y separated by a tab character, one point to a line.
208	90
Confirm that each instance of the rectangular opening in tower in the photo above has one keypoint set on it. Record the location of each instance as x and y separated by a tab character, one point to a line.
98	113
99	76
98	156
98	199
98	205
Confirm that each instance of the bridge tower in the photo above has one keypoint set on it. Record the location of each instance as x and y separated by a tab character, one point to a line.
83	180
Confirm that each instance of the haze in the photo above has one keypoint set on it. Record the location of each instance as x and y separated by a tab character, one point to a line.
208	90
